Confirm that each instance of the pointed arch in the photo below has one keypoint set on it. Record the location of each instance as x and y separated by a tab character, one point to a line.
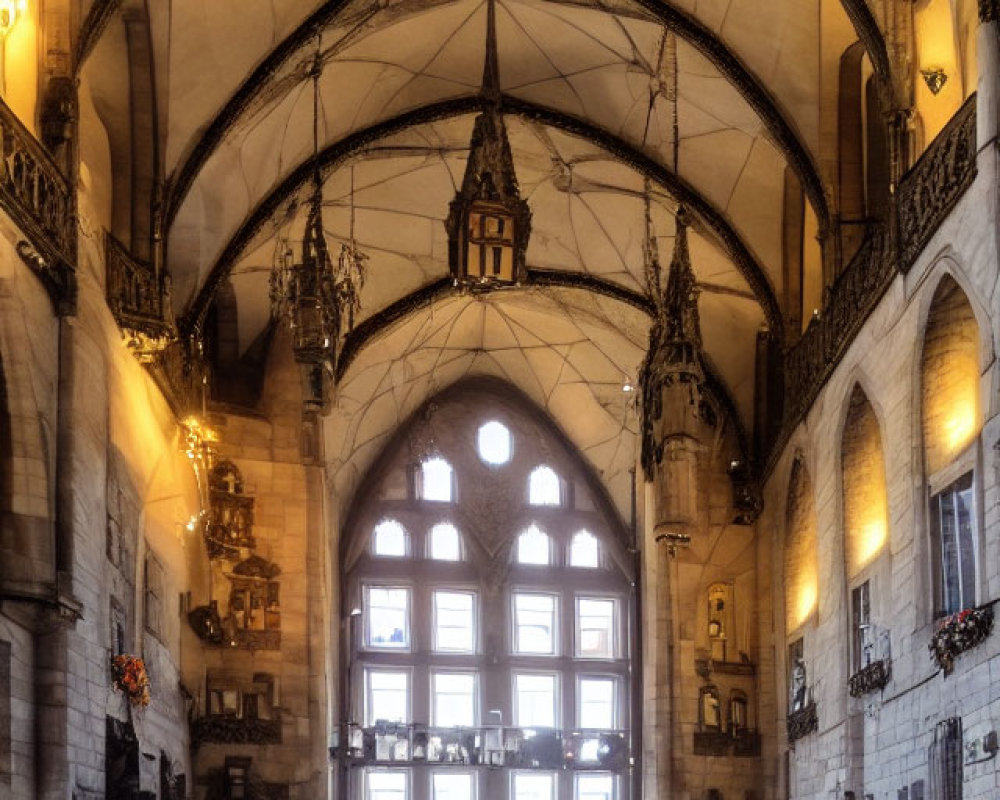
863	482
949	376
801	562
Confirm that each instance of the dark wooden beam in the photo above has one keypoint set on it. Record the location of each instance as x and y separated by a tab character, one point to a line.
93	27
866	26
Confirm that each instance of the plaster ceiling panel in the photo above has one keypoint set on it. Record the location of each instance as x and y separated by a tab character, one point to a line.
758	199
778	40
393	375
224	39
729	327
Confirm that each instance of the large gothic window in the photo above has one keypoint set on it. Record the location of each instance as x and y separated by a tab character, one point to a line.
489	617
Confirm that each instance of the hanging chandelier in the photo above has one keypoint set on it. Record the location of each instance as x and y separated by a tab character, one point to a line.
317	296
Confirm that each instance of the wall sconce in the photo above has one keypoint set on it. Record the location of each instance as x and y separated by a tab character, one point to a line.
10	10
935	78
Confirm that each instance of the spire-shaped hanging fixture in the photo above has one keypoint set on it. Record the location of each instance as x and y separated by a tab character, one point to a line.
317	296
673	364
488	222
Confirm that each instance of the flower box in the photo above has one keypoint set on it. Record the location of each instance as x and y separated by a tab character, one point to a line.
959	632
128	674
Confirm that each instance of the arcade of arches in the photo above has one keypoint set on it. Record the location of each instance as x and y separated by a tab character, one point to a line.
499	399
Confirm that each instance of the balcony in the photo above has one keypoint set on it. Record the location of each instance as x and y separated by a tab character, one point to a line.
228	729
41	202
924	198
519	748
139	299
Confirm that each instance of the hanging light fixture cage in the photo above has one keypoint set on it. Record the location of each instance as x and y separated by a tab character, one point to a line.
317	296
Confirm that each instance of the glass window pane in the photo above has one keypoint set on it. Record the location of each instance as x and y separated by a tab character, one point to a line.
436	480
387	785
388	696
388	615
535	624
583	550
529	786
454	786
597	703
535	701
390	539
963	527
454	622
543	487
596	627
445	542
494	443
533	547
454	701
595	787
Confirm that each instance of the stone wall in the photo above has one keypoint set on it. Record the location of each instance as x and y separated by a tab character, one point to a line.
880	743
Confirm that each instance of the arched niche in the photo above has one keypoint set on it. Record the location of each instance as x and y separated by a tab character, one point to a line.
865	501
801	577
950	422
949	377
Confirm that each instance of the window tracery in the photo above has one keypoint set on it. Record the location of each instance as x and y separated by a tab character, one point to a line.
499	638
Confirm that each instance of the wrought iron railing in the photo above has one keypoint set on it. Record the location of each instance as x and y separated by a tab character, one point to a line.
139	299
226	729
520	748
924	198
40	200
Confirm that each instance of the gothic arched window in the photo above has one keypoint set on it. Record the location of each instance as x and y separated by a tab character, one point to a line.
488	654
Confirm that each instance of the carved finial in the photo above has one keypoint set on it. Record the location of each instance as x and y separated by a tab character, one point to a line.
674	356
491	64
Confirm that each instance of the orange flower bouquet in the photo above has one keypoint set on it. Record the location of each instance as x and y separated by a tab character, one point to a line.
129	675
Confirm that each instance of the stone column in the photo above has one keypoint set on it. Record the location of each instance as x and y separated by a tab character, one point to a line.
988	54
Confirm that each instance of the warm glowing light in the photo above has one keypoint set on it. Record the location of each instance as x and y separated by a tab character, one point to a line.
10	10
960	426
870	542
805	603
197	439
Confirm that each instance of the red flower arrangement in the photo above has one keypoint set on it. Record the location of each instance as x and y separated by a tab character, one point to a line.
129	675
959	632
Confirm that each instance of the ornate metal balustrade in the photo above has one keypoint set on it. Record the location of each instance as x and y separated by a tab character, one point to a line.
520	748
235	730
929	191
924	198
40	201
139	299
802	722
870	678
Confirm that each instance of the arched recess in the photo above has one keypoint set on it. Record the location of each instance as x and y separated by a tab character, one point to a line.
497	637
866	515
863	180
950	423
801	576
865	527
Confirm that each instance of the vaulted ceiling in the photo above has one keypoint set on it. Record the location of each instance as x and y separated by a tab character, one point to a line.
587	101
